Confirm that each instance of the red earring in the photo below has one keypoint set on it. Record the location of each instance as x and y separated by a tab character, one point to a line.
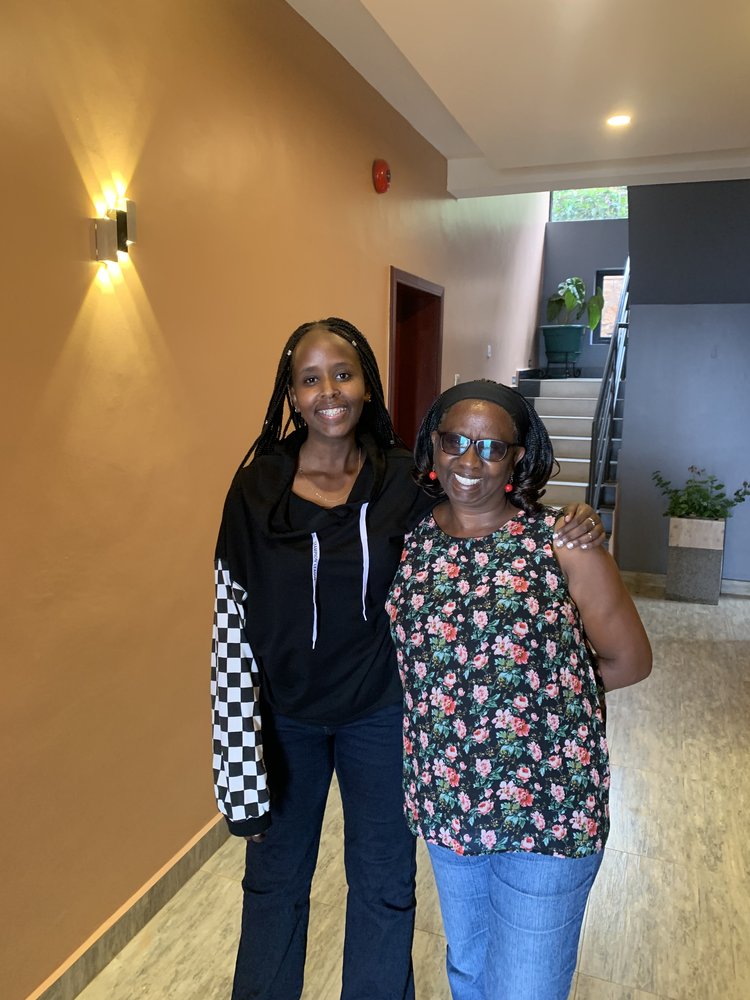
509	487
432	475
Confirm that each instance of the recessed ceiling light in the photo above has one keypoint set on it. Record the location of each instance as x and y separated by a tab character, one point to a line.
618	120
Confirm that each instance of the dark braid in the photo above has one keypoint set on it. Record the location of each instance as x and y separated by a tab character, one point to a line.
375	417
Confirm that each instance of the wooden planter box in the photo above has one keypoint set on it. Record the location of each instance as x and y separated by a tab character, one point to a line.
694	560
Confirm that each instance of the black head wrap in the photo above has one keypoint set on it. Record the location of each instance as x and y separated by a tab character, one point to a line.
492	392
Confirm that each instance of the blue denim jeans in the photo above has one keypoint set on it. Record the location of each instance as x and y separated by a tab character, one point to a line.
512	922
379	856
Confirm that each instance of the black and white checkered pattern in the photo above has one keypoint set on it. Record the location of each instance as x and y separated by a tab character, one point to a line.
239	772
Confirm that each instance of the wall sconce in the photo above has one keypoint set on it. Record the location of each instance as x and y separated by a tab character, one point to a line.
116	231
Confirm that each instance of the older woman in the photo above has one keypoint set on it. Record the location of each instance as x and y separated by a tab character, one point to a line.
505	644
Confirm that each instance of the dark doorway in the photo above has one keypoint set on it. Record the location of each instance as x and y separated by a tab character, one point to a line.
416	347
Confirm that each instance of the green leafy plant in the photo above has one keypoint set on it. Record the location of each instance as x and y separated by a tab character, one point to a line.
569	303
702	496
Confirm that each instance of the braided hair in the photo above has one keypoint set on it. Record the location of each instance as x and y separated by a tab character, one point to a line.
530	475
375	417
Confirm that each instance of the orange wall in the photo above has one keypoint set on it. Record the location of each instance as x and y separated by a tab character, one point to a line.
247	143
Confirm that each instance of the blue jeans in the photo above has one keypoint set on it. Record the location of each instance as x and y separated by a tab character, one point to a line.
512	922
379	856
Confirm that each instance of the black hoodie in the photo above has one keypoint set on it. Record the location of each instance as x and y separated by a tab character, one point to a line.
300	621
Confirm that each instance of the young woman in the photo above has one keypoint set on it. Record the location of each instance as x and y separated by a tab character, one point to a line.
505	764
310	539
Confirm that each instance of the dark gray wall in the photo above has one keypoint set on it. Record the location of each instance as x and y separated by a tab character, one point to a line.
580	249
687	399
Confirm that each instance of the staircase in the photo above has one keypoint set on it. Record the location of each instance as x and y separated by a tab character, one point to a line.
567	407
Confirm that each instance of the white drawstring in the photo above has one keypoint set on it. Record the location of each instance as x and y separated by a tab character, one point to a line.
365	555
315	561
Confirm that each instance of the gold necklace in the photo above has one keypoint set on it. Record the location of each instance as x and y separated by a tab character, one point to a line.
331	500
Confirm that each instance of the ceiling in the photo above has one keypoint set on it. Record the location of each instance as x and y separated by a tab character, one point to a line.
515	93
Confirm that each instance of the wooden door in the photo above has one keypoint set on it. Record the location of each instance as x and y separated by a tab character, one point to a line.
416	347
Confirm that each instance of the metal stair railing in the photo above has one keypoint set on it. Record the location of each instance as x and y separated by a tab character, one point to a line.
614	368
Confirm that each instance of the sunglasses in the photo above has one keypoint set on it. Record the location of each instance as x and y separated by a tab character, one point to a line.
488	449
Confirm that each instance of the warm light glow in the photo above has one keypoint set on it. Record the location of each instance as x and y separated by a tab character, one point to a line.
618	120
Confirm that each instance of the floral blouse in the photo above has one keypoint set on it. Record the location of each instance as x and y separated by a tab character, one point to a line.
504	742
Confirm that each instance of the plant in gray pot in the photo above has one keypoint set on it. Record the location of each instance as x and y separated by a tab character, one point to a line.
563	332
697	515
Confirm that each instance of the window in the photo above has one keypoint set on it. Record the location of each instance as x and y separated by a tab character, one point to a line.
610	281
587	204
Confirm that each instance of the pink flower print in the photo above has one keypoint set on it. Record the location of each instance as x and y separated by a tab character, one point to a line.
429	807
488	838
520	586
452	570
417	601
538	820
409	700
551	649
594	775
502	645
533	605
518	564
570	749
400	633
521	702
553	721
555	761
558	792
549	520
586	706
483	766
407	570
453	776
591	826
462	654
480	619
464	801
535	750
552	581
503	578
590	802
481	558
533	679
396	592
485	807
520	728
439	768
480	660
434	625
456	824
506	791
584	756
527	844
426	778
482	590
424	739
421	576
453	551
551	616
449	705
451	752
573	659
583	732
529	544
445	838
559	831
577	820
420	669
523	773
408	748
460	726
427	547
450	679
480	693
520	629
448	608
463	587
552	690
417	638
524	797
520	655
480	735
503	719
515	528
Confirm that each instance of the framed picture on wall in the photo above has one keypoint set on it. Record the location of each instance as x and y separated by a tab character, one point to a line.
609	279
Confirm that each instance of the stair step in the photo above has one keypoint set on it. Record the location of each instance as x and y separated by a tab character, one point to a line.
570	446
570	387
562	406
574	470
559	493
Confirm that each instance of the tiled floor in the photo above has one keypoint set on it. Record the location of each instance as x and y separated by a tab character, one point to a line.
669	916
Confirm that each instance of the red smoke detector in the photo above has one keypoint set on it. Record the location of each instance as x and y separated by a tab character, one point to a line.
381	176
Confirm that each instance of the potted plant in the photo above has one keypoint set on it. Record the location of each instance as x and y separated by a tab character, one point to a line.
697	513
563	332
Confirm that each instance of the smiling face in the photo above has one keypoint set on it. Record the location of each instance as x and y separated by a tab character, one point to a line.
469	482
327	387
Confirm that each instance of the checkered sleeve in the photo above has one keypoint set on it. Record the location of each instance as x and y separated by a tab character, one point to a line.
239	770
